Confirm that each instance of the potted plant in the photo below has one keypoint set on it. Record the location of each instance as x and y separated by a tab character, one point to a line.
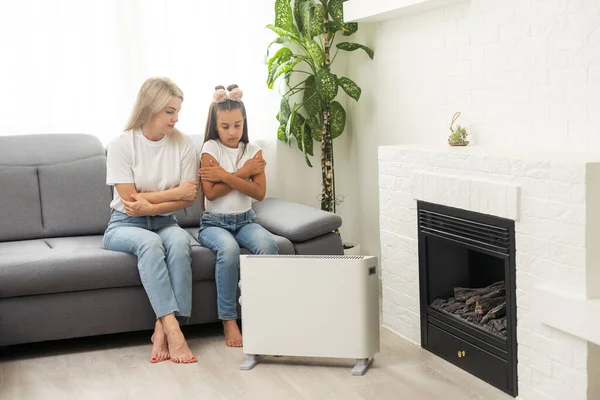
307	31
458	136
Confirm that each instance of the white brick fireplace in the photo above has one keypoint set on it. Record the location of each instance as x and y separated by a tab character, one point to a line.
554	200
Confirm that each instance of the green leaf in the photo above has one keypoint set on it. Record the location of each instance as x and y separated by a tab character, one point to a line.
281	135
284	69
315	127
326	84
283	15
271	73
317	25
299	6
350	28
336	10
284	111
279	40
307	161
285	33
289	129
338	119
311	99
306	143
350	87
355	46
316	52
281	56
308	140
296	127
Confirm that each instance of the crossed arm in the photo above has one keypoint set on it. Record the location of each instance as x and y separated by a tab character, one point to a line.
154	203
216	182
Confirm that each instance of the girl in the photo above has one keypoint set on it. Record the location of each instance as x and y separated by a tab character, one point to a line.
153	169
232	174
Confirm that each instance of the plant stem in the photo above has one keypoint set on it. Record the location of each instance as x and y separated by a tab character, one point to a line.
327	173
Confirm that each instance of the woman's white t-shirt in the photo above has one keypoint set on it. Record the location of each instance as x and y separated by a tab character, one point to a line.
230	160
150	166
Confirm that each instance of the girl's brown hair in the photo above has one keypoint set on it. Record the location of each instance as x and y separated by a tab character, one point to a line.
211	133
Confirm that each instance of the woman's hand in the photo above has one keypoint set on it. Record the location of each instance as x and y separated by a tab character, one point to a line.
140	207
255	165
188	190
212	173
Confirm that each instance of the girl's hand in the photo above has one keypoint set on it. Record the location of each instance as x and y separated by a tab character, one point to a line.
138	208
255	165
212	173
188	190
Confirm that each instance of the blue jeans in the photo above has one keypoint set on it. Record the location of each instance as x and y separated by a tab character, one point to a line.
225	234
164	257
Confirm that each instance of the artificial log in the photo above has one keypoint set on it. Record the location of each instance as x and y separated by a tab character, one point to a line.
496	312
497	326
483	305
463	294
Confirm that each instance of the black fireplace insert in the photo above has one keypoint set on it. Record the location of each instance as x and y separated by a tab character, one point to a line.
468	291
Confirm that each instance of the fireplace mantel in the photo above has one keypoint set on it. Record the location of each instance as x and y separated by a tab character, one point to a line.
382	10
554	200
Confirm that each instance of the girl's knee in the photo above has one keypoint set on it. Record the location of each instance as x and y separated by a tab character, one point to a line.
228	250
267	246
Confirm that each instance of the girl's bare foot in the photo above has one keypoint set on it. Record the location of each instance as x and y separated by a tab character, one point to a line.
178	348
233	336
160	350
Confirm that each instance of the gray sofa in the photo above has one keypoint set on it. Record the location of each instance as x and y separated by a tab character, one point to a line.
56	279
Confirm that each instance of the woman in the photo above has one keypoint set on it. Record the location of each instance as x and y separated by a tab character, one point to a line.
153	169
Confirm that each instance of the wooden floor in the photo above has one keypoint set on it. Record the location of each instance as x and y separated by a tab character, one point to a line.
116	367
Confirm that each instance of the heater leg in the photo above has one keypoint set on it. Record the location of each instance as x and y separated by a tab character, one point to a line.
250	361
361	366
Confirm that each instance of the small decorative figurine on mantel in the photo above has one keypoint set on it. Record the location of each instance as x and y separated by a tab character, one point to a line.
458	137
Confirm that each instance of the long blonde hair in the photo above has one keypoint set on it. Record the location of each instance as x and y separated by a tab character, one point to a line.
153	97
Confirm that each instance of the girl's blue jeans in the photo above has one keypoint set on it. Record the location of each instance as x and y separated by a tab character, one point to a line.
164	257
225	234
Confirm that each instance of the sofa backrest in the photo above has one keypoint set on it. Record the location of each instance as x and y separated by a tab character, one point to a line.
190	217
55	185
52	185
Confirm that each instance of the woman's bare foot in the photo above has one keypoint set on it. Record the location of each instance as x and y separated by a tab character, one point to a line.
160	350
178	348
233	336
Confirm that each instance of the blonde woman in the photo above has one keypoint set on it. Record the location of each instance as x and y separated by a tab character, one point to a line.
153	169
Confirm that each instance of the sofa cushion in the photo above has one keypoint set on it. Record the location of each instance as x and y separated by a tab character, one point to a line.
76	263
23	246
55	271
20	212
294	221
75	197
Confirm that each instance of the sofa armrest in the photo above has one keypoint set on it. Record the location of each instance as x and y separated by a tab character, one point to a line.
295	221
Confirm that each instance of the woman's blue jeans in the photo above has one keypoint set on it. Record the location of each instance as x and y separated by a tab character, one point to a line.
164	257
225	234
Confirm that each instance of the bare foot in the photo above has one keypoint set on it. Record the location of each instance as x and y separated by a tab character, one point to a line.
178	348
160	350
233	336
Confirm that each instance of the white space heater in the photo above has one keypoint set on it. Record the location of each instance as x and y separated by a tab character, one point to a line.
310	306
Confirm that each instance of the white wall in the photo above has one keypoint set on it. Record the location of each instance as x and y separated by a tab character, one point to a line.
524	73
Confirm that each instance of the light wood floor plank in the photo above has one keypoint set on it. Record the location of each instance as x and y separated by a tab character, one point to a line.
116	367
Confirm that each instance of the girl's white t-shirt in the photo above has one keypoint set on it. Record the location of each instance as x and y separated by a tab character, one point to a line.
150	166
230	160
